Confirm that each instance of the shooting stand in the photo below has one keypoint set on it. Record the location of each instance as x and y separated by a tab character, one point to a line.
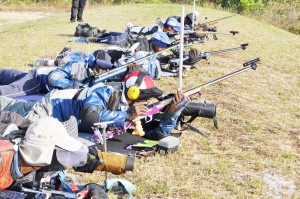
123	186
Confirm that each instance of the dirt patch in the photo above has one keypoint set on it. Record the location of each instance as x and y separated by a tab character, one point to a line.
18	17
278	186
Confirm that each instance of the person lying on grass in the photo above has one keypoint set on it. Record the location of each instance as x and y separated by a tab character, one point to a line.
75	72
50	146
121	102
117	57
125	39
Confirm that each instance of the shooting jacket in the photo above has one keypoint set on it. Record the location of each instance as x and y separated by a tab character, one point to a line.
71	75
100	103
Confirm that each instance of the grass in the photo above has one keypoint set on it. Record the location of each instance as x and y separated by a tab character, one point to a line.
258	111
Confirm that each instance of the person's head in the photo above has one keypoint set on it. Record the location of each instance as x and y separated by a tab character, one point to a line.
160	40
100	60
140	87
188	20
171	25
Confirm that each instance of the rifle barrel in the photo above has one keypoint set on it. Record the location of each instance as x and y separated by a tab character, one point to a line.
220	19
243	46
204	86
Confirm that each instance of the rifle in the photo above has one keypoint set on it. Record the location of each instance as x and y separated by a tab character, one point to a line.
158	106
173	63
122	69
213	22
51	192
205	55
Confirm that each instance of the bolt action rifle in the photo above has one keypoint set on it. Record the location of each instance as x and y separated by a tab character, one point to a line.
192	36
158	106
171	64
212	22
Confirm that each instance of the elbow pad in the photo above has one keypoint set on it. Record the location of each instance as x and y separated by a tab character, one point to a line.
88	116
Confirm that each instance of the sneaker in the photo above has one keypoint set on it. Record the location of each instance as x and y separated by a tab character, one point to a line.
80	20
64	52
72	21
39	63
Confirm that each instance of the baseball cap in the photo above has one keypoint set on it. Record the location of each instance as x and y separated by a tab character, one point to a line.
190	15
161	39
101	58
72	158
173	23
147	88
41	138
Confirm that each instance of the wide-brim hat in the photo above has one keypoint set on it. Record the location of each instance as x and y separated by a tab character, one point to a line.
41	138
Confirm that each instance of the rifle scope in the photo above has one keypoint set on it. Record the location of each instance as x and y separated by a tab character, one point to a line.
200	110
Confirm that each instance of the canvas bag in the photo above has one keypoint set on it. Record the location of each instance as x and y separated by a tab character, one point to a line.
86	30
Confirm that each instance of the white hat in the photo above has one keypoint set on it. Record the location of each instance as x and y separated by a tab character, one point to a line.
41	138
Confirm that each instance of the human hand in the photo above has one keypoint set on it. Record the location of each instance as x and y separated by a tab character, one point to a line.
176	100
177	37
137	109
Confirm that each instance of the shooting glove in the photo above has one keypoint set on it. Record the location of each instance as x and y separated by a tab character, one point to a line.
92	162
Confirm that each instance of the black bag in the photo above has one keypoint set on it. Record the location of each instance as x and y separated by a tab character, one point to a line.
86	30
144	43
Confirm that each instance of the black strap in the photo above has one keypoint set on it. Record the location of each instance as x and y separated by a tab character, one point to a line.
140	79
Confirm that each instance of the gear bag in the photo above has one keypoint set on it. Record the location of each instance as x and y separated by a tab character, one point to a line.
7	153
86	30
144	44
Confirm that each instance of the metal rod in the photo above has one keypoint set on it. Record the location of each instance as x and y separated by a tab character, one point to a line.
181	47
193	22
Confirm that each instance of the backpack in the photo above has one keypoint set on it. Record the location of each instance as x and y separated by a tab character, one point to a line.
7	153
144	43
8	145
86	30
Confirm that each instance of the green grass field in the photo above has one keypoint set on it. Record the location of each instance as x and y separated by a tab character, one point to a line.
255	153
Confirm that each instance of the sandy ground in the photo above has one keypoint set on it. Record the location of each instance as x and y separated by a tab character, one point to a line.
18	17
